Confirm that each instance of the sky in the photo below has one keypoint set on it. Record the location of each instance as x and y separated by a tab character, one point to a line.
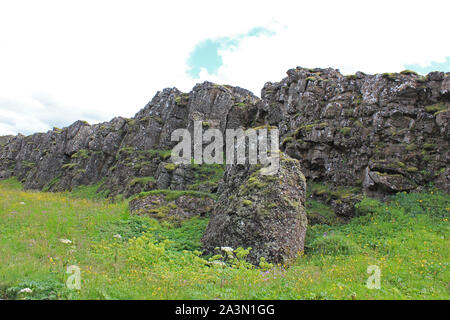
62	61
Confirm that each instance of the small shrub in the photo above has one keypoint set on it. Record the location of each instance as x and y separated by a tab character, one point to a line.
40	290
409	72
334	244
437	107
345	131
91	192
367	206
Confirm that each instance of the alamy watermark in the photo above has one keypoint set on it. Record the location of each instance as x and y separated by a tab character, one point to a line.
374	280
74	280
236	147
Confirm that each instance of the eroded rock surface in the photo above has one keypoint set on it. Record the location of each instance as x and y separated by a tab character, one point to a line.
114	154
176	208
382	133
264	212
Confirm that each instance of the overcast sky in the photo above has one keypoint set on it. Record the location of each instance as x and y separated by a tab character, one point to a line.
61	61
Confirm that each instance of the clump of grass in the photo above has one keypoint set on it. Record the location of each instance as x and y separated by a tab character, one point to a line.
345	131
91	192
409	72
171	195
435	108
81	154
320	213
333	243
141	181
12	184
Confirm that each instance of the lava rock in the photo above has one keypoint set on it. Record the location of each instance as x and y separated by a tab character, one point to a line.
264	212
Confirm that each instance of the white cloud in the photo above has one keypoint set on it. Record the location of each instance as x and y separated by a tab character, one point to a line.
351	38
100	59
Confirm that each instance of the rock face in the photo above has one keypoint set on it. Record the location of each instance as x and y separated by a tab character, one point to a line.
264	212
381	133
122	154
385	132
162	207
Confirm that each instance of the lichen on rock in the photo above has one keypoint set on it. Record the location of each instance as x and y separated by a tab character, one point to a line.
264	212
170	205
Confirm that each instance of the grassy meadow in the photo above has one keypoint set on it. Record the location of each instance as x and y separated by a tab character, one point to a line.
130	257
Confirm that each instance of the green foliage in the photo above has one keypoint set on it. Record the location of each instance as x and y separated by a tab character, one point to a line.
125	150
141	181
186	237
28	165
433	203
206	175
52	183
163	154
409	72
411	147
49	289
325	191
317	188
133	257
241	105
69	166
434	108
171	195
91	192
170	167
345	131
12	183
287	140
367	206
128	227
389	76
429	146
81	154
319	212
333	243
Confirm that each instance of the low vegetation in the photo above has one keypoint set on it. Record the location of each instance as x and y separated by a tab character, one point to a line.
130	257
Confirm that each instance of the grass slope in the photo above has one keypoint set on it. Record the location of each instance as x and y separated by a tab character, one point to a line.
407	238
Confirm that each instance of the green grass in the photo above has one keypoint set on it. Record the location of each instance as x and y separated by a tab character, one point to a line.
319	212
171	195
437	107
131	257
141	181
90	192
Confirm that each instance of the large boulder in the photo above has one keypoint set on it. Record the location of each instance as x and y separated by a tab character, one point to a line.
172	205
264	212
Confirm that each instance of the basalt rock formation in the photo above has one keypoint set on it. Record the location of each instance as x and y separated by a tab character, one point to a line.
377	134
384	133
126	156
263	212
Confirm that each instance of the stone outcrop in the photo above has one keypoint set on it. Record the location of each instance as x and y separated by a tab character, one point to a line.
385	133
172	206
380	133
122	154
264	212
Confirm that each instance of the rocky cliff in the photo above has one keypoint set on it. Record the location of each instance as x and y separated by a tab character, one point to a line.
385	133
380	133
125	156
